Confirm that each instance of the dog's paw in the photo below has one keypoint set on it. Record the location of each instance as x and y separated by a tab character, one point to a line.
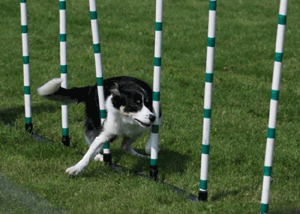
98	157
74	170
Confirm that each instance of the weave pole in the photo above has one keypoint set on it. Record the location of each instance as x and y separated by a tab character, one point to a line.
63	69
99	74
26	72
154	134
207	100
273	106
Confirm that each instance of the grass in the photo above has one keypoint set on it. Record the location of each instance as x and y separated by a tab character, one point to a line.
245	44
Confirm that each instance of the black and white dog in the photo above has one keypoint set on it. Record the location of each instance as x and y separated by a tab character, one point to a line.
129	109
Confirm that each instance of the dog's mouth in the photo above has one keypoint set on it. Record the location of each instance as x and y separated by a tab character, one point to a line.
143	124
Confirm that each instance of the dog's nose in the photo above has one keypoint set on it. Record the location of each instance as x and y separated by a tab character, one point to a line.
152	118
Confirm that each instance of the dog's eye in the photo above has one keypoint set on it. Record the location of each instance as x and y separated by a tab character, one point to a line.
147	101
138	101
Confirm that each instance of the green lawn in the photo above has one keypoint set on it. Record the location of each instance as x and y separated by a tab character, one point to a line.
245	46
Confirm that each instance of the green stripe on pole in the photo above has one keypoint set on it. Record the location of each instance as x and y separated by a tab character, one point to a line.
267	170
264	208
102	114
155	129
157	61
212	5
99	81
207	113
62	5
205	149
26	89
211	42
156	96
24	28
203	184
106	145
63	69
278	57
63	37
271	133
153	162
93	15
282	19
158	26
65	131
97	48
27	120
23	1
274	95
25	59
209	77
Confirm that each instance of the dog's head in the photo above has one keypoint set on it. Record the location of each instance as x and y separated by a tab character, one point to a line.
134	102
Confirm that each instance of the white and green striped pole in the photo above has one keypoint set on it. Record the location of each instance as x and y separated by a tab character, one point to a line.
99	73
273	106
26	73
207	100
63	69
154	135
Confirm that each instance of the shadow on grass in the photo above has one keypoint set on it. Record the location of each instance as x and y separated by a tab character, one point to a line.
9	115
285	210
224	194
168	161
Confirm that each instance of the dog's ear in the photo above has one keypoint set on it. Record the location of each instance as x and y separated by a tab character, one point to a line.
115	89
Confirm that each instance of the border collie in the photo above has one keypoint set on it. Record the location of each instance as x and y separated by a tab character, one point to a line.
129	109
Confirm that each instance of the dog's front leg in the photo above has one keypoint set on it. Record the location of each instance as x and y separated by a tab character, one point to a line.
95	147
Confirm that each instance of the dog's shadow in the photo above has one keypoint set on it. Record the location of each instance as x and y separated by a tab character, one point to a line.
168	161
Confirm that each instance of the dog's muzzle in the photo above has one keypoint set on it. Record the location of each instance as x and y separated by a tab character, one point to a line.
151	118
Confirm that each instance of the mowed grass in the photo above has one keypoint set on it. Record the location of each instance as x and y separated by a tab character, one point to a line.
245	44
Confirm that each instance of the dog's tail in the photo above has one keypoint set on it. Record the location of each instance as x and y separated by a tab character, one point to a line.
53	90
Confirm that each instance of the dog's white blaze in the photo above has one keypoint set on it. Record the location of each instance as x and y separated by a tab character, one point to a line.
144	115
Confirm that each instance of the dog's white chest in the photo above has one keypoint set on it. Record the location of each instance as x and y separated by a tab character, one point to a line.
122	125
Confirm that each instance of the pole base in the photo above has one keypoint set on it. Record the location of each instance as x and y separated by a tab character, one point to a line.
66	141
29	128
153	172
202	196
107	159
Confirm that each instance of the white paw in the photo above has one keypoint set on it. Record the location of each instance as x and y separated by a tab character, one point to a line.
98	157
74	170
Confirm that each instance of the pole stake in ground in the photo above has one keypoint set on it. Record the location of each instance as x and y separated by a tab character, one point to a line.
99	73
207	100
273	106
26	72
63	69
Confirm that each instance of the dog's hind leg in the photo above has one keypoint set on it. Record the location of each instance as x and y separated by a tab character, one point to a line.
126	146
